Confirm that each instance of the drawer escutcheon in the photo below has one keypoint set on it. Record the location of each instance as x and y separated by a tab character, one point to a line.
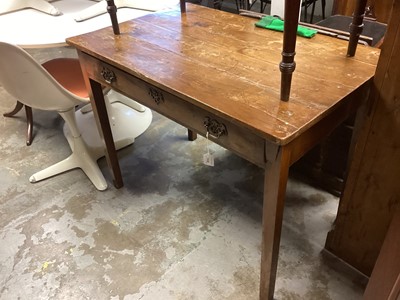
108	75
215	128
157	96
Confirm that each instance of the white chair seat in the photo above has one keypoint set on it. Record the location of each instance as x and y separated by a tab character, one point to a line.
127	123
34	85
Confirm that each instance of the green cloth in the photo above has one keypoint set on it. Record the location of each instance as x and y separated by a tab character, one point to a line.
274	23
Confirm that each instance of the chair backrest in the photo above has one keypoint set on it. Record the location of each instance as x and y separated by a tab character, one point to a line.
26	80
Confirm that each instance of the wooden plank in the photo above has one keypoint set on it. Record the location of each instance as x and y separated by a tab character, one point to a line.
250	67
372	190
252	59
225	25
384	283
395	292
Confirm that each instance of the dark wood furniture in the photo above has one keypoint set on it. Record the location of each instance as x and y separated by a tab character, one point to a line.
244	4
384	283
209	3
165	60
372	29
372	189
381	8
308	3
327	164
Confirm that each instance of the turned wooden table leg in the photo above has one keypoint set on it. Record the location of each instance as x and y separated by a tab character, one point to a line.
287	65
356	26
276	176
100	113
112	10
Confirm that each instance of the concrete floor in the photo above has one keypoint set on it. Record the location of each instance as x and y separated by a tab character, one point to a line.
177	230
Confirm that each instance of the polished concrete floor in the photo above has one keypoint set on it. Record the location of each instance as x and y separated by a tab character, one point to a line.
178	229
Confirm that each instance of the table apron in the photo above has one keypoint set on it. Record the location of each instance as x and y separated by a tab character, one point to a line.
233	137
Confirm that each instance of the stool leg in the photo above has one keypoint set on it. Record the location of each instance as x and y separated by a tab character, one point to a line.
305	10
323	4
263	7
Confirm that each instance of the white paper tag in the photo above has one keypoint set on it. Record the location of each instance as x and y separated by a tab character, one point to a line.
208	159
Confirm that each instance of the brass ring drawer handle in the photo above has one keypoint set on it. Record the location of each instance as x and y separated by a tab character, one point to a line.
214	128
157	95
108	75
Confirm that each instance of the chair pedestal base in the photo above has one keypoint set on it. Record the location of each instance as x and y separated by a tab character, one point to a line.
128	120
82	158
127	123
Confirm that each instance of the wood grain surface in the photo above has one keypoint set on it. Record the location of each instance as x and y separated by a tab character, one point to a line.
224	63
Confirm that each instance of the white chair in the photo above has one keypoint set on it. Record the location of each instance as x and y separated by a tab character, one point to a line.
58	85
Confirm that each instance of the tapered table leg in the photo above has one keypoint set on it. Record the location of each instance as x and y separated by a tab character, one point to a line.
100	113
276	176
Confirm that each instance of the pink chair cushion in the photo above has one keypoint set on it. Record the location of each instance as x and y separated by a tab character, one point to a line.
67	71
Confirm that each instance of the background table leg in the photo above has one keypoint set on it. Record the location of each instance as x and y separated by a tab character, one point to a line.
192	135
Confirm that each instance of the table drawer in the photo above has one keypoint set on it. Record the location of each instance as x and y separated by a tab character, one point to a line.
221	131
